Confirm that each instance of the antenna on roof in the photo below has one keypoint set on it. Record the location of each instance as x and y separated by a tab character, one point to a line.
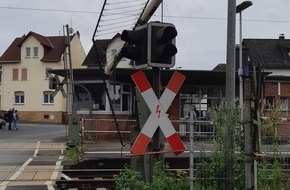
71	30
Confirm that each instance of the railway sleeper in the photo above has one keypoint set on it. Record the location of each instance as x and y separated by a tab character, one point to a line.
91	173
86	184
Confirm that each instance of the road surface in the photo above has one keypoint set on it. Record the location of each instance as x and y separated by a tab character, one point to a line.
30	158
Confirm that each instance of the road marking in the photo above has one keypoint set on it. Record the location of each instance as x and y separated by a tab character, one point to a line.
21	169
36	149
17	173
55	173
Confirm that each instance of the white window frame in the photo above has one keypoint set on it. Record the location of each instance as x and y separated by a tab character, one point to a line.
120	95
129	93
48	98
284	103
28	52
106	103
19	97
35	52
270	102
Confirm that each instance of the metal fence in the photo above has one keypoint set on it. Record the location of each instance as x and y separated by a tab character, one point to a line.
206	149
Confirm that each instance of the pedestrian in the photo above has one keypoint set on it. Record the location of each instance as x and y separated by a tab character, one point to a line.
9	117
14	120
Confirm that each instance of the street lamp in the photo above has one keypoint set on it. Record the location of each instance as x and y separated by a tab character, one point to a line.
248	167
239	8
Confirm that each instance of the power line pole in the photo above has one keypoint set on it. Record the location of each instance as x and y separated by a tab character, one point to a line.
230	94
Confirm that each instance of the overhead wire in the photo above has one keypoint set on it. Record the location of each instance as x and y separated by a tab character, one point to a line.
173	16
120	18
124	2
127	7
106	87
111	13
188	41
115	27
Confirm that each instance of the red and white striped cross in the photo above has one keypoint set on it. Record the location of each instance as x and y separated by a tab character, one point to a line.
158	116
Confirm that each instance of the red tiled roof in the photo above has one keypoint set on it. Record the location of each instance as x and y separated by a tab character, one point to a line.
12	54
53	48
42	39
54	54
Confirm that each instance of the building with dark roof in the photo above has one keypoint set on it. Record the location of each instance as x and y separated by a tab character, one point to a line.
269	53
273	56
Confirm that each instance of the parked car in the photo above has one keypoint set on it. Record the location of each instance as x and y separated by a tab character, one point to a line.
4	115
2	123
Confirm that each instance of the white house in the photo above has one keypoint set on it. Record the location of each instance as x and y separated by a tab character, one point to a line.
25	84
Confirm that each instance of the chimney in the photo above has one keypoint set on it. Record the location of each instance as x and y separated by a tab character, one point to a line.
281	36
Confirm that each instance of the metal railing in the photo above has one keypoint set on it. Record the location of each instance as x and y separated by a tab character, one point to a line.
202	140
203	130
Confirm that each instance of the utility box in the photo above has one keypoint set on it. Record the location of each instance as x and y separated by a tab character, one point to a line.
74	130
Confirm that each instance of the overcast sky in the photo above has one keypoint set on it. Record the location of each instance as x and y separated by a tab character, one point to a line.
201	24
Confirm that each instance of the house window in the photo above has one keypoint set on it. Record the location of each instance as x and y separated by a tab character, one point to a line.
126	98
270	100
115	96
28	52
120	95
35	51
47	97
94	96
19	97
284	103
24	74
15	74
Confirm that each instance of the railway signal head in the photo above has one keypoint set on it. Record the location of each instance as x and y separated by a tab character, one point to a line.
136	46
161	44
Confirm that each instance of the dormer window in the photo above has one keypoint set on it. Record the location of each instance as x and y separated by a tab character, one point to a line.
284	52
28	52
35	52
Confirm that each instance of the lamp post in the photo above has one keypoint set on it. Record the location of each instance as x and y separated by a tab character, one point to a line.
249	184
239	9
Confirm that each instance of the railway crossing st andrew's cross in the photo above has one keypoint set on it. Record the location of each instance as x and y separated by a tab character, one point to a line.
158	116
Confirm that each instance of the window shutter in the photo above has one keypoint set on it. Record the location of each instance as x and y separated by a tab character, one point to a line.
15	74
24	74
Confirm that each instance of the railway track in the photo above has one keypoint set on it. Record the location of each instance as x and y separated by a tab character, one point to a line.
87	179
102	177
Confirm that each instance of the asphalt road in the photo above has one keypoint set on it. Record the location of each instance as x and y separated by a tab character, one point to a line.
34	133
30	158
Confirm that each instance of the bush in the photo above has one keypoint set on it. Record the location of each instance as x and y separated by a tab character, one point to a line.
163	179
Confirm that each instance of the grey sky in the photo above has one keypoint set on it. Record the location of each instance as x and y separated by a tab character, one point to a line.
201	25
